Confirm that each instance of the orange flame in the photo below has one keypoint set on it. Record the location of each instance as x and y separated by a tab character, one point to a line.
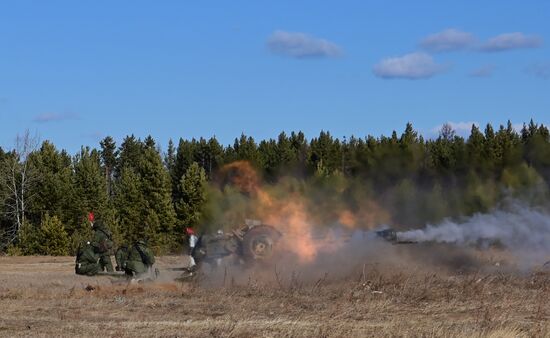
347	218
290	214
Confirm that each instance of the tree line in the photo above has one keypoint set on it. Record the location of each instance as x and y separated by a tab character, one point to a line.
141	191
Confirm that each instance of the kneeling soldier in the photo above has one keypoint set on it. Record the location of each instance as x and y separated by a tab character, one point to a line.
140	259
121	256
103	244
86	260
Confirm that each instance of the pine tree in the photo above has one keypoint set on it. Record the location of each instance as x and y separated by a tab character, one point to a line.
192	187
90	193
89	182
409	136
184	159
30	239
159	215
475	146
201	153
54	192
286	154
269	158
245	149
130	153
300	147
54	240
507	147
149	142
170	156
215	156
411	154
443	151
489	149
130	205
326	149
109	160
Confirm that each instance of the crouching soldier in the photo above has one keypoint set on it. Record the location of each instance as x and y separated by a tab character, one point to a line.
103	244
139	259
121	256
86	260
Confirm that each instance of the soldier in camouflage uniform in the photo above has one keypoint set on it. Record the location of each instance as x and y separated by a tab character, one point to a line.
103	244
121	256
139	259
86	260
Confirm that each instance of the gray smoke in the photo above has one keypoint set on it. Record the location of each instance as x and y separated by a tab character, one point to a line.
521	229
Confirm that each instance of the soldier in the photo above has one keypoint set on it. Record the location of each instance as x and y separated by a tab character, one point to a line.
121	256
192	250
86	260
102	243
140	259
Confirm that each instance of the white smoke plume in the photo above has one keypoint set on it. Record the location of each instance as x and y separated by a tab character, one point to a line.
523	230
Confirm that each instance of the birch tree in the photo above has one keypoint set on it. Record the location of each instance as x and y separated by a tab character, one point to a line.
18	178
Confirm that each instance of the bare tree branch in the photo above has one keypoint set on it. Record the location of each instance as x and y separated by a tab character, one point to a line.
18	177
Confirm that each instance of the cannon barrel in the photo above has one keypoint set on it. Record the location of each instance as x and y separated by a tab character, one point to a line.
392	236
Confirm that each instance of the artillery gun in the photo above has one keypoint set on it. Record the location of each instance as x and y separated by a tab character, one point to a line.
255	242
392	236
250	243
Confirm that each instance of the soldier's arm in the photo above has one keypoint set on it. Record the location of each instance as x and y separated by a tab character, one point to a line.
97	242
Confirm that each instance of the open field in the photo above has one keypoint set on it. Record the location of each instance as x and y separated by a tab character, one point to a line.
41	296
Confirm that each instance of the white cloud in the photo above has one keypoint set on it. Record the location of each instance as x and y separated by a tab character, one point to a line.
301	45
53	117
96	135
483	71
461	128
539	69
517	127
410	66
464	128
448	40
510	41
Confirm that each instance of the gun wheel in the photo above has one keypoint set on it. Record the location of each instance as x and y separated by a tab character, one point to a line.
258	243
262	247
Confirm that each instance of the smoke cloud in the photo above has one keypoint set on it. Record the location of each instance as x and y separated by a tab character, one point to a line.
522	230
328	231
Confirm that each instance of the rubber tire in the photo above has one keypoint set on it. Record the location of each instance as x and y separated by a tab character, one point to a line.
262	234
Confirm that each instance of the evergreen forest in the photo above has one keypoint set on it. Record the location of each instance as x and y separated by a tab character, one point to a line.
142	189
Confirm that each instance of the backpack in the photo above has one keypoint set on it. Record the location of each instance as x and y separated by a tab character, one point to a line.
121	257
107	245
146	256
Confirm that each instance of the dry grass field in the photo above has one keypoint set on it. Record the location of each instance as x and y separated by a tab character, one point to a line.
41	296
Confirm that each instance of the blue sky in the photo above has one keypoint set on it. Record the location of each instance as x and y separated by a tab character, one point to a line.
75	71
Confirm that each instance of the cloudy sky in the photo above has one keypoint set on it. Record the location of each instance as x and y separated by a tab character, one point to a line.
75	71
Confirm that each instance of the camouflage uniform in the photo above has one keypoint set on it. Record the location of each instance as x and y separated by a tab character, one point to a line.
86	260
139	260
121	257
103	244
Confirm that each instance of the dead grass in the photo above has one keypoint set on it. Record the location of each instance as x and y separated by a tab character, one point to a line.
41	296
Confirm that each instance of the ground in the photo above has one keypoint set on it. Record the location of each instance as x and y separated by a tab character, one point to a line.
41	296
